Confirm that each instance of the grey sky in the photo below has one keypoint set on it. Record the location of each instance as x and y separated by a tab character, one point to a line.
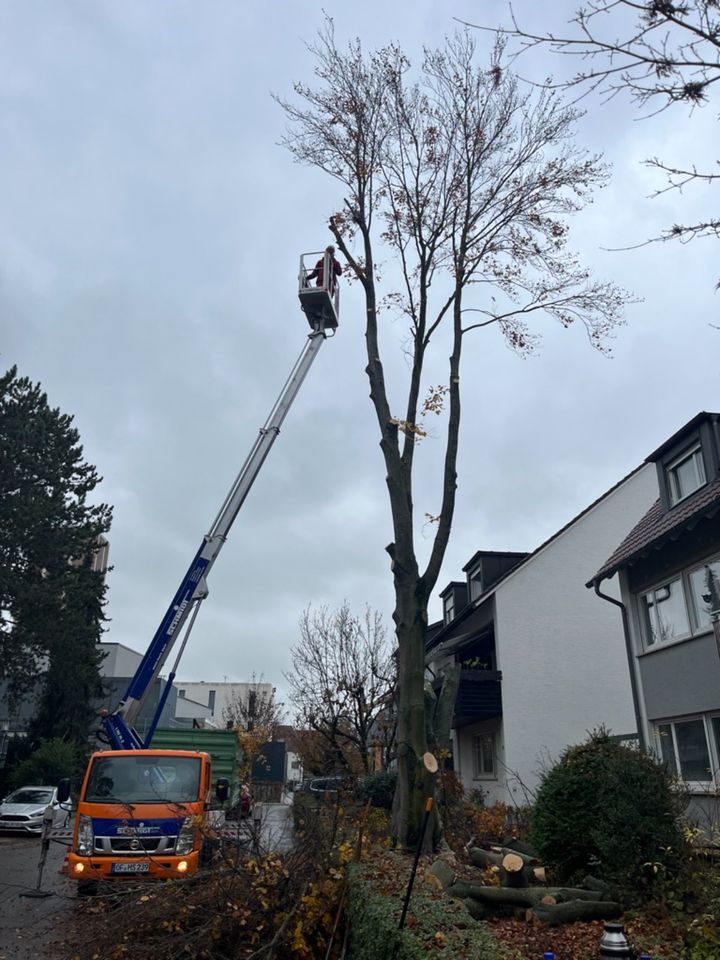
148	252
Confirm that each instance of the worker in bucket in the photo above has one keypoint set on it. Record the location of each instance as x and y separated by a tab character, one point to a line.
318	273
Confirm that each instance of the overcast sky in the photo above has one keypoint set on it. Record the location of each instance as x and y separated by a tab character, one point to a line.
149	238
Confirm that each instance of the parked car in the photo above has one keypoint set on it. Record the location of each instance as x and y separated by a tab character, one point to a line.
320	786
319	795
22	810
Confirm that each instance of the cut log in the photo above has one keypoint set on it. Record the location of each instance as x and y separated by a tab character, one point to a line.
460	890
527	860
478	910
525	897
554	914
514	881
484	858
442	872
520	846
498	896
513	863
548	900
593	883
537	874
565	894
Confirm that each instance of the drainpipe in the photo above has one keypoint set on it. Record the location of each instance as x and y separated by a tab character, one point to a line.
631	663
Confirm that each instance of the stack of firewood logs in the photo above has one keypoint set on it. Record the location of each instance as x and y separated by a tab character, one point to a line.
523	891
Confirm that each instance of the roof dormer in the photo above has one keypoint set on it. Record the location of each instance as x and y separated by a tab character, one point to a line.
688	460
454	598
486	567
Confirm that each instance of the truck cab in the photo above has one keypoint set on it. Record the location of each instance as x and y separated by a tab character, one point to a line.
139	813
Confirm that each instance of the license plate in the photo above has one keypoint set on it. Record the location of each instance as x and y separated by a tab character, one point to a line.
130	868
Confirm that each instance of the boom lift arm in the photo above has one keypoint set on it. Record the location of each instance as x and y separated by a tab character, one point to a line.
320	305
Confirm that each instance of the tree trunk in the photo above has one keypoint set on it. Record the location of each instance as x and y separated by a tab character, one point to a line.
445	708
414	783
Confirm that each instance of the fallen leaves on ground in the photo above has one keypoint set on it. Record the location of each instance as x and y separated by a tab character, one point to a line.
580	941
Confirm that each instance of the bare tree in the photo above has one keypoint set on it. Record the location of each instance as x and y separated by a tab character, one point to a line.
660	52
341	682
468	185
254	708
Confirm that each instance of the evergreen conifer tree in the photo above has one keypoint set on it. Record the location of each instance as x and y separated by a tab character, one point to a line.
51	595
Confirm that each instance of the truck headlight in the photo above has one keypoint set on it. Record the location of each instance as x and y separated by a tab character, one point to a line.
86	836
186	838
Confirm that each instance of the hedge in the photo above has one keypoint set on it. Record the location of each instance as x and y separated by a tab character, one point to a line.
434	920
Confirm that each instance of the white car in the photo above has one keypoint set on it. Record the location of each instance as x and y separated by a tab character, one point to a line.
22	810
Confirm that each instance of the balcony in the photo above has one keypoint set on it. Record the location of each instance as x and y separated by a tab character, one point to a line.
479	696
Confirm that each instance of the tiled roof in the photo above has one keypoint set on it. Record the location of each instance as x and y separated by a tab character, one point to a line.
656	527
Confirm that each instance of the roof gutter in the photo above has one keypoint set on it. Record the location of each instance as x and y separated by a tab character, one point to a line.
631	663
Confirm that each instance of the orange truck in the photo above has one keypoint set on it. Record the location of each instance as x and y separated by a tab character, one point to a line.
140	813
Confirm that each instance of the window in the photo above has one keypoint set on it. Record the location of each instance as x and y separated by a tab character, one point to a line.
685	474
483	756
664	613
211	702
704	593
449	608
685	748
475	581
682	606
181	693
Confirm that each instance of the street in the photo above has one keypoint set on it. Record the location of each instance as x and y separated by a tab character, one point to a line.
31	928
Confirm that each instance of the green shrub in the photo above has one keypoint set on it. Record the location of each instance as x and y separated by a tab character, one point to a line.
378	787
434	923
703	935
53	760
611	811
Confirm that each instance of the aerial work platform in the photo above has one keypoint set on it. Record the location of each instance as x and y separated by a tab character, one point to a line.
320	301
318	288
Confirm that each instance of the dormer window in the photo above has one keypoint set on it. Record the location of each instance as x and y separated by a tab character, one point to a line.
449	608
685	474
475	582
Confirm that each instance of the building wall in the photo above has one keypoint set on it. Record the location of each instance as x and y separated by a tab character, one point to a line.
560	648
120	661
218	695
494	789
682	678
186	709
116	687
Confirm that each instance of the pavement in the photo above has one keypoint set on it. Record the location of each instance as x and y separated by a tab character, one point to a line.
30	929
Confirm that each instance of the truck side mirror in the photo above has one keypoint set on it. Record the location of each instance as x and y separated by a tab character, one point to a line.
63	790
222	789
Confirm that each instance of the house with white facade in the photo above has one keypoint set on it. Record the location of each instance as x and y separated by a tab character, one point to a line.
668	565
543	661
220	695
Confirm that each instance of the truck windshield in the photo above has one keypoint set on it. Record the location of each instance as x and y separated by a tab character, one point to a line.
144	780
